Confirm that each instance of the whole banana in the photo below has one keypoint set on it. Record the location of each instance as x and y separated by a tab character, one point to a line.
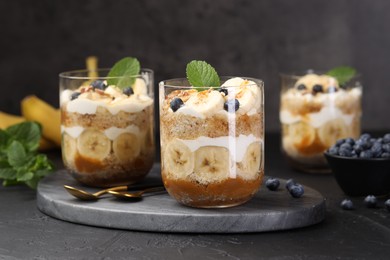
7	120
35	109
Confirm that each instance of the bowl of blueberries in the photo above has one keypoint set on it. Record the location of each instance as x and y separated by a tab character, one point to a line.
361	167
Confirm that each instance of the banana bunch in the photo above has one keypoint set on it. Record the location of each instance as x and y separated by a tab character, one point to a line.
208	163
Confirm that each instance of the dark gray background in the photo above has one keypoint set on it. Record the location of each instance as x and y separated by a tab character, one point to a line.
39	39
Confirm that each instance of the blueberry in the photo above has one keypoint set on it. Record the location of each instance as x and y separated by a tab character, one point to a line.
365	137
223	90
317	88
340	142
296	190
272	184
75	95
347	204
301	87
346	146
354	154
387	204
370	201
332	89
350	141
128	91
289	183
386	148
176	103
385	155
230	104
376	150
358	148
379	140
367	154
99	84
333	150
345	152
365	144
386	138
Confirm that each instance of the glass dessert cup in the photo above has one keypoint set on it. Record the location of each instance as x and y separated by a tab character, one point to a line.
316	111
107	133
212	141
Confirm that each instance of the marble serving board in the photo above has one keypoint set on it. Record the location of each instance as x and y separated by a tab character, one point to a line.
267	211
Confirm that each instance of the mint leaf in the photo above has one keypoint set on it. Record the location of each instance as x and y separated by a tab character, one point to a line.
10	182
7	173
19	161
16	154
343	74
4	139
202	74
25	176
125	71
27	133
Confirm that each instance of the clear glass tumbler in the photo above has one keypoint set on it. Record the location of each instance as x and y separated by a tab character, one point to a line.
316	111
212	141
107	132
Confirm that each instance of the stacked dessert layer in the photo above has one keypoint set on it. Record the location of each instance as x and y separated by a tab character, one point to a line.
212	140
315	113
107	131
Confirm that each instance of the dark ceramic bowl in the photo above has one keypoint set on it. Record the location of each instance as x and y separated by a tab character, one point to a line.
361	177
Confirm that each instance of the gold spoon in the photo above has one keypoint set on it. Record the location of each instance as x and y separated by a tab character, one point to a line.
84	195
136	195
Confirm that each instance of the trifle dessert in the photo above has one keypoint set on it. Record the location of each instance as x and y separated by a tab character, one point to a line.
212	140
315	111
107	127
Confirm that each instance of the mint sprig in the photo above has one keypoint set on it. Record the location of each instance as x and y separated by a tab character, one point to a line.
124	72
19	161
202	74
343	74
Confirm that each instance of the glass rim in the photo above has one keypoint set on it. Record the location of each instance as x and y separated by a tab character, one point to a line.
298	74
165	83
68	74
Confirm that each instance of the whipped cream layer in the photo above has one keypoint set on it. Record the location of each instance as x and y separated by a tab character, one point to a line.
210	102
112	133
237	146
329	109
111	98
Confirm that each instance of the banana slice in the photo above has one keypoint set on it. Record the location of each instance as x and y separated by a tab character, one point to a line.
69	148
253	159
333	130
212	163
140	87
126	147
178	159
301	134
206	102
93	144
233	82
247	99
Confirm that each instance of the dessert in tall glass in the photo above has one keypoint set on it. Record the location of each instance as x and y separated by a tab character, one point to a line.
315	111
107	124
212	138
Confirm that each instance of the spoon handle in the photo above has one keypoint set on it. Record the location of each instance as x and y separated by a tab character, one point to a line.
142	186
153	189
128	187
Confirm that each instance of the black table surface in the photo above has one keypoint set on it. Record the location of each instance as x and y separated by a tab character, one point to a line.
26	233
